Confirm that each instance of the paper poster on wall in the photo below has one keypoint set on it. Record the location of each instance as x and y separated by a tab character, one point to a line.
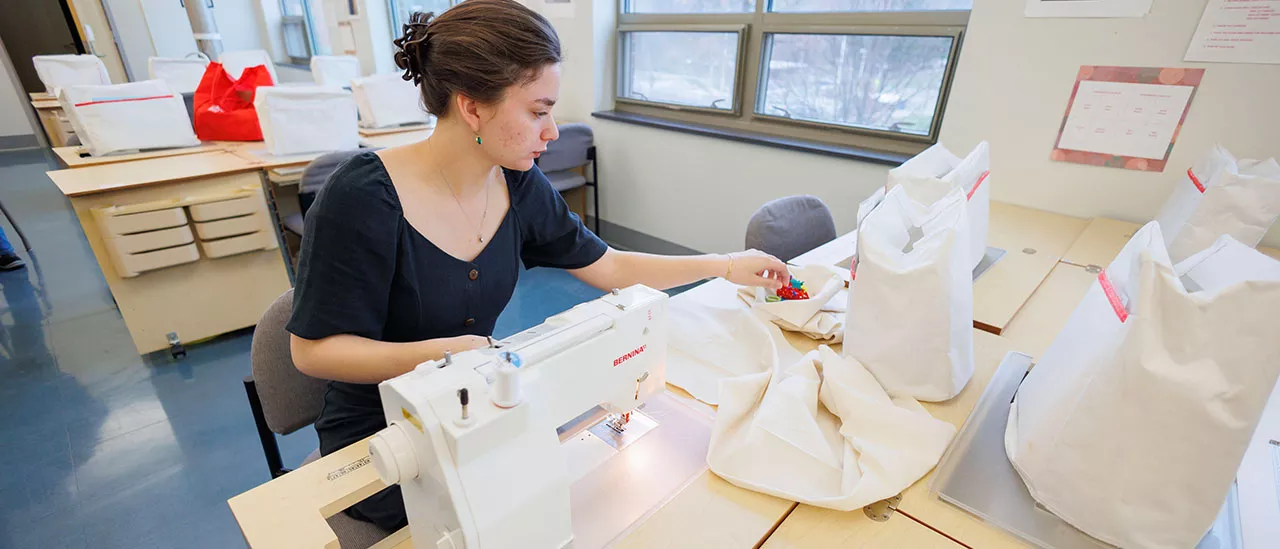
1237	31
1125	117
1088	8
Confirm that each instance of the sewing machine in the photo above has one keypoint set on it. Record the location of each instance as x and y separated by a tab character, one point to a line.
475	440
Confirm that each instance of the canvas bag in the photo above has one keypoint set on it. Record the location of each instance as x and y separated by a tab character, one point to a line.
821	317
224	106
1133	423
1220	195
236	62
127	117
387	100
931	174
910	313
822	431
182	75
335	70
306	119
60	71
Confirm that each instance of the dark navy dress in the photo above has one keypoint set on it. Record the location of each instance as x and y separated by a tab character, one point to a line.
365	271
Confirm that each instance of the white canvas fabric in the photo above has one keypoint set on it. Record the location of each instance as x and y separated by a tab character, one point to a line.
1220	195
129	117
1132	425
715	336
821	431
60	71
821	317
335	70
306	119
235	62
387	100
182	75
933	173
910	307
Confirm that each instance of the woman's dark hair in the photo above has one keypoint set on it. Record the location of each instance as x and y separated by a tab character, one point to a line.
478	48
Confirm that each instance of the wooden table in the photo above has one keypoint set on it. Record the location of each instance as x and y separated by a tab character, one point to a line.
77	157
56	126
204	297
394	139
370	132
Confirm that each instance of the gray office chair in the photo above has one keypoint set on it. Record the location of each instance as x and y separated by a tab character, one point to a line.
284	400
314	176
189	99
790	226
575	148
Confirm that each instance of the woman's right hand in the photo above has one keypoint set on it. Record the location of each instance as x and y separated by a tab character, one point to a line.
455	345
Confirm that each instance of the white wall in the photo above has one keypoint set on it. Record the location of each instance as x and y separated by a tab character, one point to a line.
13	101
1011	88
1015	77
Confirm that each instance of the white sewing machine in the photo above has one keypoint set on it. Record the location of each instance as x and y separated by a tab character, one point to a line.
472	439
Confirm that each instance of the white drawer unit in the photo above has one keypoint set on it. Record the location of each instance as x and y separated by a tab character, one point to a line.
151	241
261	240
117	224
235	226
224	209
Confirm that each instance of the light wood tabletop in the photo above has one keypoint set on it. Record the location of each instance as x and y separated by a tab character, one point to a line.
75	182
370	132
50	103
76	156
1046	313
1033	240
395	139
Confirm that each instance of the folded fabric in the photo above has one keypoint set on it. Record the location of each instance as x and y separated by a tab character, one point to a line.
815	317
715	336
822	431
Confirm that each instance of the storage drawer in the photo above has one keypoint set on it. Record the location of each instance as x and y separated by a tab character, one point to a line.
153	240
261	240
117	225
223	228
210	211
131	265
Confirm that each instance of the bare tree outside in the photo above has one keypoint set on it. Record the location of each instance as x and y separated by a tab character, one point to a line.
682	68
867	81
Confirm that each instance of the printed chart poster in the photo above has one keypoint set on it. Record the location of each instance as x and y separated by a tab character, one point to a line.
1125	117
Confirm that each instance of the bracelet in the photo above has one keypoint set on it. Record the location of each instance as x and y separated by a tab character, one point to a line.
730	271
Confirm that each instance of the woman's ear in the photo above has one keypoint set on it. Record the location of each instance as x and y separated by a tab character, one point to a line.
469	109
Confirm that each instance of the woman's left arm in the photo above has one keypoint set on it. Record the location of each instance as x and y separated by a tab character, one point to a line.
618	269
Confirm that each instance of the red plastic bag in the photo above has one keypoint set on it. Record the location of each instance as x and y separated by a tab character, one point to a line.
224	106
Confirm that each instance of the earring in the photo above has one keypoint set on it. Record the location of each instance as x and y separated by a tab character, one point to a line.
478	142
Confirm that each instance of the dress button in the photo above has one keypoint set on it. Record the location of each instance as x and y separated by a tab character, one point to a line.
474	274
469	322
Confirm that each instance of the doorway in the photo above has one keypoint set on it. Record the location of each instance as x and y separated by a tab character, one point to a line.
37	27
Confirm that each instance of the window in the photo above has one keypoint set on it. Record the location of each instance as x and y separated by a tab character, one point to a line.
304	30
401	9
869	74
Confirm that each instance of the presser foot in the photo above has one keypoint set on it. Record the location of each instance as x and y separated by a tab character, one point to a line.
621	430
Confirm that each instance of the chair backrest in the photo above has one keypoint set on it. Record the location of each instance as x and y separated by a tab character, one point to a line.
317	173
189	99
790	226
235	62
569	151
290	399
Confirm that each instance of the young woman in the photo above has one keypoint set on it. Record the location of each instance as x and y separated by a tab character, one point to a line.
413	251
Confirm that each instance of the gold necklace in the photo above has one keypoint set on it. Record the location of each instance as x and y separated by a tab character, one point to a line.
454	194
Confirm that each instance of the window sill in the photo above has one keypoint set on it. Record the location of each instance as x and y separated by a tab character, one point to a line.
755	138
298	66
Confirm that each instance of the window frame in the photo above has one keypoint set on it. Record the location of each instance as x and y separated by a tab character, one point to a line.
736	100
393	12
306	22
757	27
